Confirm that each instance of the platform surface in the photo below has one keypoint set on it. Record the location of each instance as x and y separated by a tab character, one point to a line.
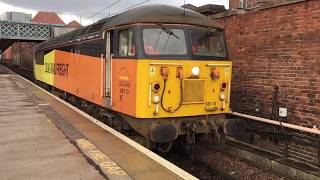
31	146
36	132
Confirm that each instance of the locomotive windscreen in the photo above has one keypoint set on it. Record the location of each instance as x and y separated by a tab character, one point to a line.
164	41
208	43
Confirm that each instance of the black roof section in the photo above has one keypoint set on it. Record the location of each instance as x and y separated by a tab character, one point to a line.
142	14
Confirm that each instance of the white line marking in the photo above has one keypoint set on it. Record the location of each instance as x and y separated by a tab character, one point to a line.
163	162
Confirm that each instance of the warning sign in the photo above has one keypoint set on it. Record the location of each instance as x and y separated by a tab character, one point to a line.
152	71
111	169
227	71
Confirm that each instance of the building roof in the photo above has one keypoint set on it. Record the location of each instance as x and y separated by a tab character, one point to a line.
47	18
74	24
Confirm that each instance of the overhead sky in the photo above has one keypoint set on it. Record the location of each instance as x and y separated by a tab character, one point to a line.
83	11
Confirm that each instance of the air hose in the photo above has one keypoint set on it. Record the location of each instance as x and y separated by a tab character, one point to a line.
169	110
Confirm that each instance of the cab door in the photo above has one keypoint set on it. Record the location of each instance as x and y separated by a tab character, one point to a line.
108	69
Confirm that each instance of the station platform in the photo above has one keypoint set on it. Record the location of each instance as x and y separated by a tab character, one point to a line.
31	146
43	137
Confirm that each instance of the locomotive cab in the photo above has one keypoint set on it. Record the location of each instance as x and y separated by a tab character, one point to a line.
180	76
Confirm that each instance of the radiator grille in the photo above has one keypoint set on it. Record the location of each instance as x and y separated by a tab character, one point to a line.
193	91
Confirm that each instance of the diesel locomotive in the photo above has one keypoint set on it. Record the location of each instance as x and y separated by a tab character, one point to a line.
161	71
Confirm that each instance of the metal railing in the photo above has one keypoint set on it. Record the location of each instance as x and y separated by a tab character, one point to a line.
25	31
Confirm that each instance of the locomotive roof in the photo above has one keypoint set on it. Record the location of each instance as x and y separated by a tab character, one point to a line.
141	14
160	14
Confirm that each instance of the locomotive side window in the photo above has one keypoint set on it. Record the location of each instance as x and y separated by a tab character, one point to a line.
66	48
164	41
126	43
93	48
207	43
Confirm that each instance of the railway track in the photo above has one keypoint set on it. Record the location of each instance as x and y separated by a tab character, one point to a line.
218	162
192	164
240	159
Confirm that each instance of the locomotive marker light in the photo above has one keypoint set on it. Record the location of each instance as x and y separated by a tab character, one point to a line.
223	85
156	100
223	99
156	87
195	71
223	95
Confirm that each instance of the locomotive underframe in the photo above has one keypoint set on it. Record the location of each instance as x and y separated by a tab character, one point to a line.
166	130
154	131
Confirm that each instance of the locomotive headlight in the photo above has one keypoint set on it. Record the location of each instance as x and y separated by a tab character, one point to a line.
222	96
156	98
195	70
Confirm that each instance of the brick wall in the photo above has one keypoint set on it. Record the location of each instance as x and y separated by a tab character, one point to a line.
8	54
233	4
21	54
27	50
277	46
300	149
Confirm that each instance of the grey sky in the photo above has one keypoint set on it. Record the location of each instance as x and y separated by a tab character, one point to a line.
74	9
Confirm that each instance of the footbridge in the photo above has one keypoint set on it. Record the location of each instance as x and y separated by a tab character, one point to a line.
11	32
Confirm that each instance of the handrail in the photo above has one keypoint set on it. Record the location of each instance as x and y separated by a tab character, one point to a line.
287	125
165	64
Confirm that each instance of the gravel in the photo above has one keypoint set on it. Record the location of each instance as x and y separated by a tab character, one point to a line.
205	163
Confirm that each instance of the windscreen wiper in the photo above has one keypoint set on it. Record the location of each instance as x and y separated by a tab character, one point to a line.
168	31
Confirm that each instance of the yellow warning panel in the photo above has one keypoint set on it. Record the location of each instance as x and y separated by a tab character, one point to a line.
152	71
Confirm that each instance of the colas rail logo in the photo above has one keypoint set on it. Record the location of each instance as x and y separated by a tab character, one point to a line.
57	69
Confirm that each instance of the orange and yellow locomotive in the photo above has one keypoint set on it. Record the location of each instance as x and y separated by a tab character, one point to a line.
162	71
